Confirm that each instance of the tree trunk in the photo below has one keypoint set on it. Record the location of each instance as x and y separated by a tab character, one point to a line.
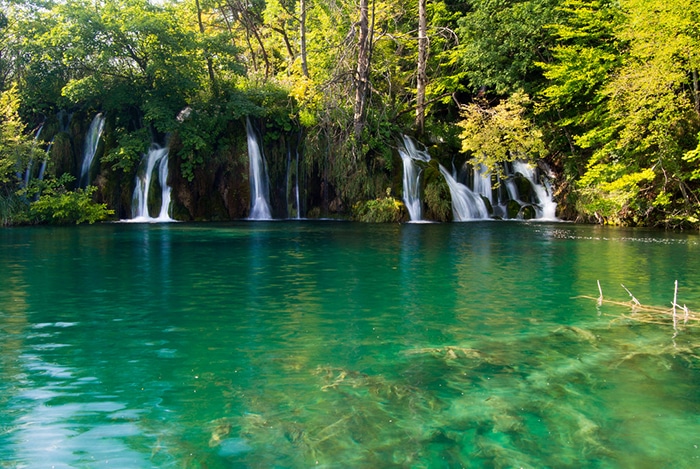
302	34
421	78
362	73
696	92
249	20
210	65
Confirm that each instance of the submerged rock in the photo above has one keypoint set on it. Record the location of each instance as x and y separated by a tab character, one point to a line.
233	447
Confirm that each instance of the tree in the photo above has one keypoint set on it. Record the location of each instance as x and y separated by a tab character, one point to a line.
363	68
501	42
210	64
421	77
494	135
652	121
586	56
249	16
17	148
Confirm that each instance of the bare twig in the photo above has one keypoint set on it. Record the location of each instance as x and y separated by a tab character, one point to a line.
651	314
675	298
634	300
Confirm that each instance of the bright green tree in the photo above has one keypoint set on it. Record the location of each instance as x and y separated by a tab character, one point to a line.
502	133
17	148
637	172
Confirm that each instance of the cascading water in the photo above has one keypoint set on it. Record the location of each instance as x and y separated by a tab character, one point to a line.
481	182
466	205
296	187
24	180
92	139
42	169
156	156
411	176
545	207
259	185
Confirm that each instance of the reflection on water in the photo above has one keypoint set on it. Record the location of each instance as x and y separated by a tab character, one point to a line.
344	345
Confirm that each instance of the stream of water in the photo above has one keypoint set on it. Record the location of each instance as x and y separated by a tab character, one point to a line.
336	344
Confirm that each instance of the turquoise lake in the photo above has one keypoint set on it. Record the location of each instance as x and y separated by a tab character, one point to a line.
335	344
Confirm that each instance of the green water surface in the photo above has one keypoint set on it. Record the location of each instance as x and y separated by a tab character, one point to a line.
332	344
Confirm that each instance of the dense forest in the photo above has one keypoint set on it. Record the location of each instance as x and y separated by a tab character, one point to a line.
602	95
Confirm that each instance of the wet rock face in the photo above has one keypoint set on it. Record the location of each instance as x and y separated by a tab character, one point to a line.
62	157
217	192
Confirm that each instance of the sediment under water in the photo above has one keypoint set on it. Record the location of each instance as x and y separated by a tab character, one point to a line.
295	344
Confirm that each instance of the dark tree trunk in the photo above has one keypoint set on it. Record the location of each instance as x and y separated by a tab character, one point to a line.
422	78
362	72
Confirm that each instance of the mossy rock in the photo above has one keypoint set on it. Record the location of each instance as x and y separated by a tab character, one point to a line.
62	157
487	202
512	209
524	188
528	212
438	201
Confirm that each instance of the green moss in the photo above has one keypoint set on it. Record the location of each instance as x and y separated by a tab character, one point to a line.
380	210
438	200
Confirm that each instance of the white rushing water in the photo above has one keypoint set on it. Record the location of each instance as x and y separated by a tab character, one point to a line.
545	207
24	180
296	188
259	182
481	182
411	176
156	156
92	139
466	205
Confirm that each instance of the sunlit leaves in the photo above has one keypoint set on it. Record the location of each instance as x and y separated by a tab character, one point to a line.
492	135
16	147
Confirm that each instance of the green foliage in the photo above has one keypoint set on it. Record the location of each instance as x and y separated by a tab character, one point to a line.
586	54
610	193
492	135
501	41
380	210
13	208
56	205
129	150
16	147
438	200
606	90
620	86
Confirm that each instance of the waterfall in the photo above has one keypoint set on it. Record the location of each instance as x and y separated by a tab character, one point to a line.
545	207
259	182
481	182
24	180
296	187
411	176
28	173
92	139
156	156
42	169
466	205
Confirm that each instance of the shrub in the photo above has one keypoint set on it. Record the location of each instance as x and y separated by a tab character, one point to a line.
13	209
59	206
380	210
